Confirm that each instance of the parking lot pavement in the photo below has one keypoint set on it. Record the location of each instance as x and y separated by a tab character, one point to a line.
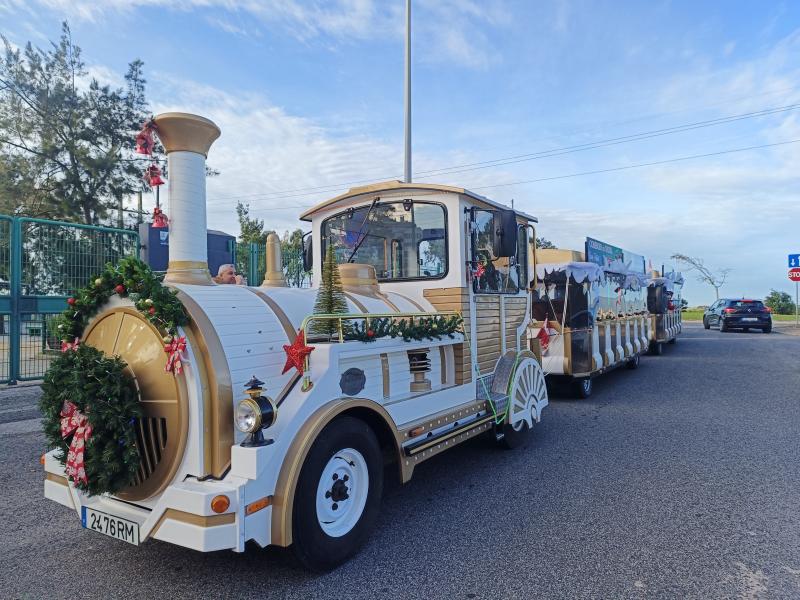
678	480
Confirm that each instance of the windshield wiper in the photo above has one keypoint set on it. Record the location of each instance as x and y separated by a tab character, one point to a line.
363	236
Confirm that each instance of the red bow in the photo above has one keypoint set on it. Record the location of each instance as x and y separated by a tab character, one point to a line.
75	423
543	336
174	349
144	139
480	271
160	218
65	346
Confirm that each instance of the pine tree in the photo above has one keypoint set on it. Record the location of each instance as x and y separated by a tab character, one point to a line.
330	297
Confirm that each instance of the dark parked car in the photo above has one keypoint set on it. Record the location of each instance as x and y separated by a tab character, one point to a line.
738	314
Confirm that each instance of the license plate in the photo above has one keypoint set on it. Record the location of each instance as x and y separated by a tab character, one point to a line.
115	527
749	319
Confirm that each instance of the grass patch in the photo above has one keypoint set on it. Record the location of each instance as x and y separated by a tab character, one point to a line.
697	315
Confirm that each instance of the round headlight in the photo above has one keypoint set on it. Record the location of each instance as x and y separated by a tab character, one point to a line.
248	416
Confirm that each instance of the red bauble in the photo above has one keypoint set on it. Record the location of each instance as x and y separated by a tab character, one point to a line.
152	310
296	353
120	289
370	333
71	301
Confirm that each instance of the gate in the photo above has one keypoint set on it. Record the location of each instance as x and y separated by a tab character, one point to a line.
42	263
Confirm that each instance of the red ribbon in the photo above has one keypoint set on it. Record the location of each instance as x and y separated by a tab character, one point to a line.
174	350
160	218
480	271
75	423
65	346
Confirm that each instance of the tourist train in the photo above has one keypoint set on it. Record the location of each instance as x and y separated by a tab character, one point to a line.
280	425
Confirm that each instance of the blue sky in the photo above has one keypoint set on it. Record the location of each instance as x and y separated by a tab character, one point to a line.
309	95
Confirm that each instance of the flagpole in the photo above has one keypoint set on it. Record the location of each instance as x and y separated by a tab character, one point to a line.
407	169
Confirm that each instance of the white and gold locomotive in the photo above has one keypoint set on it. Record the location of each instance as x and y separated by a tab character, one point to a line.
300	462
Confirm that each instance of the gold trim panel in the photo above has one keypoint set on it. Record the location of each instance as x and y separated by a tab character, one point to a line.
199	520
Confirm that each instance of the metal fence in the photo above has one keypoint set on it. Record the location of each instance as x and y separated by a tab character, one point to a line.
250	260
42	263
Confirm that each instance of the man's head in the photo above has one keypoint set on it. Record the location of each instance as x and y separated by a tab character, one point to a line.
226	274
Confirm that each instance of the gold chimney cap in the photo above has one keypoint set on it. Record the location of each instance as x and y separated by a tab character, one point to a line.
186	132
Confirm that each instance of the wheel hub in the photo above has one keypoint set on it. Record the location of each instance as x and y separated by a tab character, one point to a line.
342	492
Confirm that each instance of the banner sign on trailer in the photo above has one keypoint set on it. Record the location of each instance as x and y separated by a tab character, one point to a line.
605	254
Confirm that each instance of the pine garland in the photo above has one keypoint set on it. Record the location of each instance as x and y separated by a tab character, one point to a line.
134	279
418	329
330	297
100	388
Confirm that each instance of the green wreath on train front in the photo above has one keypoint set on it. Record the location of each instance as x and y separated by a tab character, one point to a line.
89	402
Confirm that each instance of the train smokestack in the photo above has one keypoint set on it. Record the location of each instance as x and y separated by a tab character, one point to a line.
187	139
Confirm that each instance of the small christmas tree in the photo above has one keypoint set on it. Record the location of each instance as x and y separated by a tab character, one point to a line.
330	297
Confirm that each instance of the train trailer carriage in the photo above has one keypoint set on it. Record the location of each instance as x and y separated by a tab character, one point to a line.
279	425
664	308
588	319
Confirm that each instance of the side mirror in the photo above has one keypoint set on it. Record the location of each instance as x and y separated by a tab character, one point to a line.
308	253
505	234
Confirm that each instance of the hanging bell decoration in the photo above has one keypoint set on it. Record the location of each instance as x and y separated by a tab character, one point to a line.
144	139
153	176
160	219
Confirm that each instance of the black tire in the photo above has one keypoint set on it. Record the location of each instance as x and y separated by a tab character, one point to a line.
767	329
633	363
513	439
706	324
746	329
673	340
313	547
656	348
583	388
722	327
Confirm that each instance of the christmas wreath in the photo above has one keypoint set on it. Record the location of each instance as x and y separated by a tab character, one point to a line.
133	279
90	406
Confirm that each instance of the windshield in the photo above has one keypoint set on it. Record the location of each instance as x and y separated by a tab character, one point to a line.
402	240
745	304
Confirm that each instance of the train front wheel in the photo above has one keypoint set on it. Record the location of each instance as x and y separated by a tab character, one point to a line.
338	494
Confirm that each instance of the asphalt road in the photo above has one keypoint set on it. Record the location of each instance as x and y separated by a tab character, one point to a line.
679	480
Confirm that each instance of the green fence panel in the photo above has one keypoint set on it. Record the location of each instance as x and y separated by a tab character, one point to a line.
42	262
250	261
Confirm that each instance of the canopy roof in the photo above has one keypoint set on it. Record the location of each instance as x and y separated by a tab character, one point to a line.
579	271
393	186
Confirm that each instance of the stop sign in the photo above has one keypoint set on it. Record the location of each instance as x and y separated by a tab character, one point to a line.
794	274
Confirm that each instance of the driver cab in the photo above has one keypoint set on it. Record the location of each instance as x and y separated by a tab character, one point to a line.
441	248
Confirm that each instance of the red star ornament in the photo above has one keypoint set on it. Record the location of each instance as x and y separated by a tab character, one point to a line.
296	353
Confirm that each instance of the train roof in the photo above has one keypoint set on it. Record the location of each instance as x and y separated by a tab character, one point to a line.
392	186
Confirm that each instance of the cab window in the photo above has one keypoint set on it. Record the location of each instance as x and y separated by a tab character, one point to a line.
491	274
402	240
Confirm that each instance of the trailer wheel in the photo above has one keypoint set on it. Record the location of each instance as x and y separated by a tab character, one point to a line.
338	494
583	388
633	363
656	348
673	340
527	397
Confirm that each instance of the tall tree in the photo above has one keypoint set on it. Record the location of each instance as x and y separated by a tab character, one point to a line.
714	277
250	230
545	244
780	302
66	142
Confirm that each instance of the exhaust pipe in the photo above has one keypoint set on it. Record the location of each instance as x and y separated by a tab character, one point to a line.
187	139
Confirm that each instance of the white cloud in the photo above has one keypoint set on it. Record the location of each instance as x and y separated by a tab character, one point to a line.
449	30
270	158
